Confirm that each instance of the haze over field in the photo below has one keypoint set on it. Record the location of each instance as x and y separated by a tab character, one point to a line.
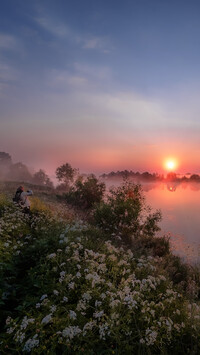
103	85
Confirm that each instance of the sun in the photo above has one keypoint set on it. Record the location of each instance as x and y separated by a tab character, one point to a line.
170	164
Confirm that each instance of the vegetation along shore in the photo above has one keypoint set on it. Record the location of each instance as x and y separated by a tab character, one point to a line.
86	273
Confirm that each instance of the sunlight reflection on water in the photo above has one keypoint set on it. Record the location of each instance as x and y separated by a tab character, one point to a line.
180	207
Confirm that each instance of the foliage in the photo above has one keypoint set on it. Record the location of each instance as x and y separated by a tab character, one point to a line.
65	173
67	289
85	193
124	213
89	296
5	159
19	172
41	178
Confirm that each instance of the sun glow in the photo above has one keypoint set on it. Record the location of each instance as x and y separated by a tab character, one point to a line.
170	164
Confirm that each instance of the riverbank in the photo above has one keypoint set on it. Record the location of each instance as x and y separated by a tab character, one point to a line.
71	287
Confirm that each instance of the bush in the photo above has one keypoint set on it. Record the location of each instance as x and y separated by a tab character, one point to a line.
85	193
125	214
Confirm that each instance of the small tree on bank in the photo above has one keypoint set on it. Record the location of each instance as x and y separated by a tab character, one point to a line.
125	214
65	174
41	178
86	193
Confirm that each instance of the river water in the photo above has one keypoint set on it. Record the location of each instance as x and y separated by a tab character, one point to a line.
180	207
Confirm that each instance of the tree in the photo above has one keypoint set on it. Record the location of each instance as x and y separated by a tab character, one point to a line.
5	159
195	178
171	176
65	173
86	193
19	172
5	162
125	214
41	178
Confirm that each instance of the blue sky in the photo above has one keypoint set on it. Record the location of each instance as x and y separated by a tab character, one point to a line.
103	85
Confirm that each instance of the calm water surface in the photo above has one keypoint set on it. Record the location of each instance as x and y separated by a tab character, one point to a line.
180	207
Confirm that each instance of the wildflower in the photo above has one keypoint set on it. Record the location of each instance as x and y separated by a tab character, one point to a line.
86	296
71	285
43	297
55	292
53	308
31	343
65	299
71	331
98	314
102	331
98	303
26	321
47	319
51	256
72	314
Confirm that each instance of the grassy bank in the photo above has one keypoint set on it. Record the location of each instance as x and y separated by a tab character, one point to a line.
69	287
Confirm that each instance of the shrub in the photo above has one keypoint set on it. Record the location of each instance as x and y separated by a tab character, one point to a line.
85	193
124	213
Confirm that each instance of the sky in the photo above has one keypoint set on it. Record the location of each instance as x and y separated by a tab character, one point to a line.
103	85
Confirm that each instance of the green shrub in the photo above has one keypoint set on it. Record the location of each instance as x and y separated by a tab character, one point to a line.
125	214
85	193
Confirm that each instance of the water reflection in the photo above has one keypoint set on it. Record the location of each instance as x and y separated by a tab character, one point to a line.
180	211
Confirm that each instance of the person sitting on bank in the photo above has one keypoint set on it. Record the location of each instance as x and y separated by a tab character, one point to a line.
21	197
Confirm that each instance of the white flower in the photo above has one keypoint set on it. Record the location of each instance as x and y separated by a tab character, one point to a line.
31	343
78	274
98	314
38	305
98	303
71	285
51	256
102	331
53	308
65	299
43	297
55	292
71	332
72	314
26	321
47	319
151	336
86	296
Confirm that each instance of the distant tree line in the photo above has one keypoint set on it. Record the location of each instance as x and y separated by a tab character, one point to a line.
20	172
148	177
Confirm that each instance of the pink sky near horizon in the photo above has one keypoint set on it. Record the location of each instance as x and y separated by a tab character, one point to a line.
75	87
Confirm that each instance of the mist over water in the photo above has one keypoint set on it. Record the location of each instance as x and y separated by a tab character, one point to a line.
180	207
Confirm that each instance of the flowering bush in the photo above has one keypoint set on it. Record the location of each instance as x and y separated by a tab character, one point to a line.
95	297
66	288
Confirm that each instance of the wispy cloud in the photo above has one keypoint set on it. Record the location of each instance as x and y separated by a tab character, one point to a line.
8	41
7	73
63	31
55	28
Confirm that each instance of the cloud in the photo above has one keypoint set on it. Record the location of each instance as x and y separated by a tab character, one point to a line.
8	41
7	73
63	79
55	28
63	31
